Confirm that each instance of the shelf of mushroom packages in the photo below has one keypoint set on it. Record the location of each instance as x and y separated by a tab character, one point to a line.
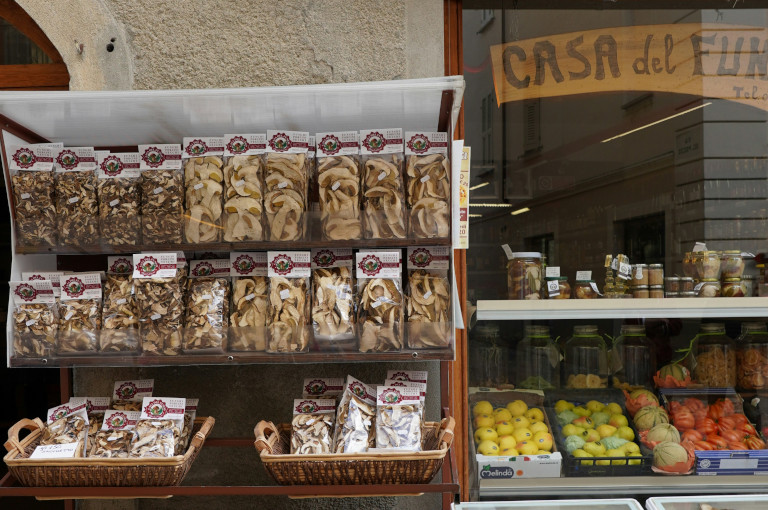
276	246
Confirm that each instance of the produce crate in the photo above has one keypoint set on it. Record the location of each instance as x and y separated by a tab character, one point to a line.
522	466
575	466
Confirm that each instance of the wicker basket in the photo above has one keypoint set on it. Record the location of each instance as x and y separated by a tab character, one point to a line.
88	472
353	469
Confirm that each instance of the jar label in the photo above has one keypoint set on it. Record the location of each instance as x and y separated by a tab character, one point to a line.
583	275
594	287
553	271
553	288
639	272
624	270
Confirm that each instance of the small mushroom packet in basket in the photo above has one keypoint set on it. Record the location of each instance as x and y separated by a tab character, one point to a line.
250	300
67	424
333	297
35	318
243	217
289	305
114	439
96	407
323	388
428	298
408	375
428	175
159	427
354	431
190	412
399	418
128	395
380	298
312	426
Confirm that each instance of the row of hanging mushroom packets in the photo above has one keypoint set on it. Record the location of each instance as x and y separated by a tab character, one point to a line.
273	186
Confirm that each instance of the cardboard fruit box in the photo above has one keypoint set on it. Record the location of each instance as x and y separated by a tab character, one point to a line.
520	466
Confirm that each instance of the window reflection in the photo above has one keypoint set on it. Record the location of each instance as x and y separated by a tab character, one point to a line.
16	48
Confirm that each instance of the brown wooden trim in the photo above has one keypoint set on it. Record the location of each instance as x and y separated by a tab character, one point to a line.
16	16
34	76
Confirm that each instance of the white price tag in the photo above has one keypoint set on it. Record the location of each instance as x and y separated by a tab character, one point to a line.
250	296
552	271
615	264
197	186
285	294
698	287
594	287
282	185
507	251
382	176
553	288
31	322
114	202
424	179
69	316
73	200
638	272
239	183
428	294
121	301
55	451
207	297
625	270
157	190
335	185
155	316
377	304
25	196
583	275
699	246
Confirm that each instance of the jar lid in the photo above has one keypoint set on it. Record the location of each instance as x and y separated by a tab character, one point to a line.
688	293
672	279
748	277
585	281
671	293
640	265
633	329
712	327
556	278
753	326
639	287
656	266
732	252
537	331
732	280
585	330
686	278
710	280
526	255
657	287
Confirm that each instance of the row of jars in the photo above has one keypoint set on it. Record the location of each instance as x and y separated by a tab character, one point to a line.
585	361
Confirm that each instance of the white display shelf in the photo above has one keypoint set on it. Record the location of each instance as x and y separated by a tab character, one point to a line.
513	310
756	502
621	486
560	504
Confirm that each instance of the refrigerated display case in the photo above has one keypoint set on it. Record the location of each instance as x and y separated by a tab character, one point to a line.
752	502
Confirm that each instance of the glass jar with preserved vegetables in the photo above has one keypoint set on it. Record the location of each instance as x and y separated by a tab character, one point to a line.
538	360
714	357
586	359
524	275
707	288
752	357
732	264
689	266
585	289
557	287
732	287
707	265
656	274
633	360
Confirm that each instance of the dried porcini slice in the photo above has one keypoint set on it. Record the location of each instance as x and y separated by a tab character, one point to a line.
428	310
155	438
34	330
384	201
429	192
77	208
312	426
119	330
35	209
203	177
339	193
207	314
112	444
65	430
354	432
288	307
248	320
285	201
381	316
119	210
244	204
333	303
160	307
162	194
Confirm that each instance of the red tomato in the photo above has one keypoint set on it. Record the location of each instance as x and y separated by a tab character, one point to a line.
703	445
754	443
694	404
736	445
718	442
723	407
706	426
747	428
732	436
693	435
739	418
683	420
725	423
701	413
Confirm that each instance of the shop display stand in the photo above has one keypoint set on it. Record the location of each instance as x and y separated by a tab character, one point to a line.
121	120
587	309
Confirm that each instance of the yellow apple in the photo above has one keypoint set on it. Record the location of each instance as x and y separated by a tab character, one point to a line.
595	406
616	452
625	432
506	442
488	448
520	422
618	420
527	448
502	415
579	453
534	414
563	405
517	408
539	426
484	420
482	407
504	428
509	452
486	433
522	434
543	452
605	430
543	440
572	430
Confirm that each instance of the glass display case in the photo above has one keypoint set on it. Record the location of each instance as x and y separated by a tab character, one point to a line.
581	504
756	502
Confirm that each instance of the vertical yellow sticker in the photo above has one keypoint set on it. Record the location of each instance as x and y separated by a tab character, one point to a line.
463	243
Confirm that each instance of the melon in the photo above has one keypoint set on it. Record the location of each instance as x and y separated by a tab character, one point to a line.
650	416
645	395
678	372
668	453
663	432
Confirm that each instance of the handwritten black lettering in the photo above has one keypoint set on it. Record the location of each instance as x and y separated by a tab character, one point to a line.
605	46
758	60
574	53
669	45
722	70
640	65
544	53
696	41
509	73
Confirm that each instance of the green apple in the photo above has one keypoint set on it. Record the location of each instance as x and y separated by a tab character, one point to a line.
618	420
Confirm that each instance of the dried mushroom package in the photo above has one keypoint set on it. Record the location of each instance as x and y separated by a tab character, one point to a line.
243	184
53	276
79	314
203	178
31	169
355	415
162	194
128	395
65	425
428	173
159	427
159	297
384	197
380	298
287	324
207	310
95	406
190	412
419	376
321	387
399	412
286	182
119	317
119	198
333	298
35	318
250	297
312	426
114	439
428	298
77	206
338	185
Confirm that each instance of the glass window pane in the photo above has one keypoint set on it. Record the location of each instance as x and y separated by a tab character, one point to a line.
16	48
